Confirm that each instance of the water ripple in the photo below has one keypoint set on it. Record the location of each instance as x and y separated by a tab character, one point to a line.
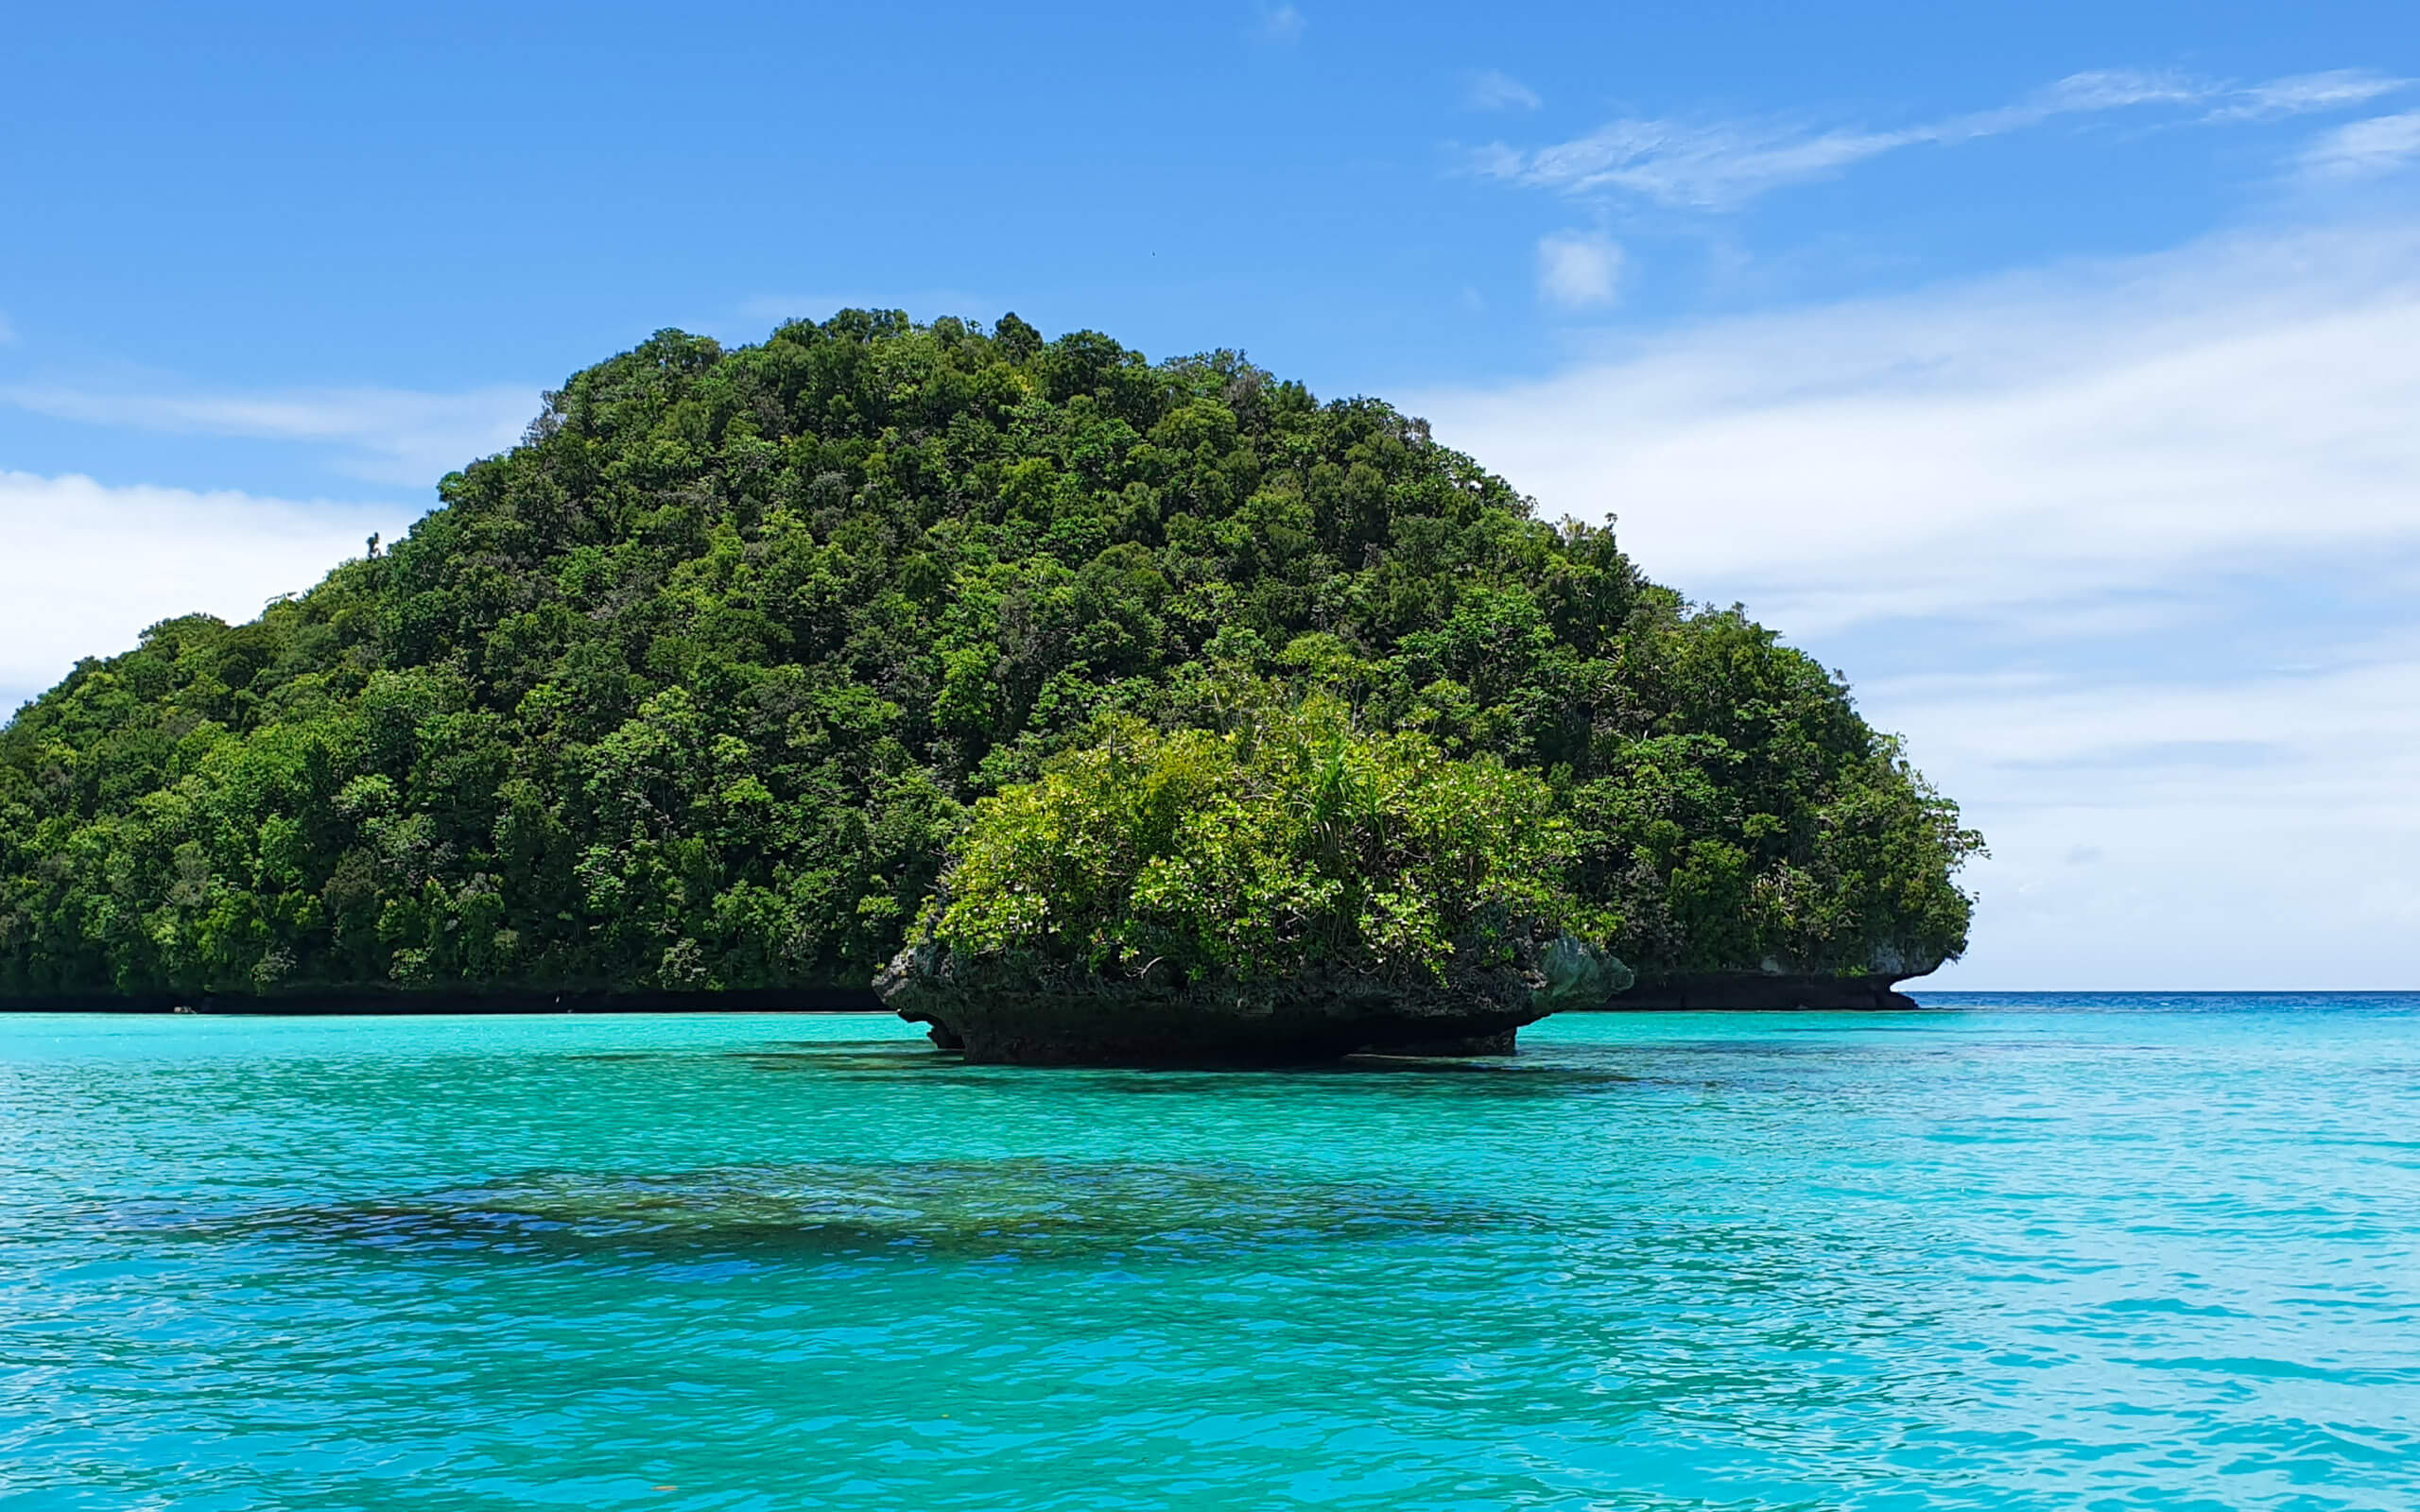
2033	1254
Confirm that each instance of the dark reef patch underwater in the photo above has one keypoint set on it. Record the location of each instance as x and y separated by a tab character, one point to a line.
1023	1208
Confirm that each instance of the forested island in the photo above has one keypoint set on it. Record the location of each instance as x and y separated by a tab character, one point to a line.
969	658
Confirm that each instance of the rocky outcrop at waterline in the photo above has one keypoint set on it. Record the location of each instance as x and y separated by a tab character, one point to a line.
1762	993
1006	1009
404	1001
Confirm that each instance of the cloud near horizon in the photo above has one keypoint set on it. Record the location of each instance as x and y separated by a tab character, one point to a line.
85	567
2127	549
1719	165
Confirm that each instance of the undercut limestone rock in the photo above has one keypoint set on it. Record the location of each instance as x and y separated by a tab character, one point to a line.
1762	993
1003	1009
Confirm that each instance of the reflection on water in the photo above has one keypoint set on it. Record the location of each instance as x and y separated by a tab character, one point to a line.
1487	1076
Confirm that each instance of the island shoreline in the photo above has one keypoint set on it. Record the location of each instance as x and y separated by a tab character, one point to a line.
1726	993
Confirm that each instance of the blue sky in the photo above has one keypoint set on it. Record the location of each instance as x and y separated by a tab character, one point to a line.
2049	369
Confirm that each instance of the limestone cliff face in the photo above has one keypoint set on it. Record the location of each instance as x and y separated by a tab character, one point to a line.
1004	1009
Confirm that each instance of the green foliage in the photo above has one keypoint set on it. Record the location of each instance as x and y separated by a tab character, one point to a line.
1291	841
691	688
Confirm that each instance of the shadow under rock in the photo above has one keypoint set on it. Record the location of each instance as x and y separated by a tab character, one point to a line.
1493	1075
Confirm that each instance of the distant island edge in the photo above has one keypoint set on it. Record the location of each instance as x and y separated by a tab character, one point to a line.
1702	993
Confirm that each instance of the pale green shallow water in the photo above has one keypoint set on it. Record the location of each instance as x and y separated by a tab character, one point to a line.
2034	1253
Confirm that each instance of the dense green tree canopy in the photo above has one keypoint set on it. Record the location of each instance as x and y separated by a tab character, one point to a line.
1288	842
690	689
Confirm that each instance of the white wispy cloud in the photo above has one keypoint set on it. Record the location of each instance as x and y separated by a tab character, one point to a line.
2102	427
84	566
2365	148
379	434
1709	166
1579	271
2166	514
2302	94
1281	23
1723	164
1496	90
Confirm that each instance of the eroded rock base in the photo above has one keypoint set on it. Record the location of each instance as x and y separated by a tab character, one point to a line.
1017	1013
1033	1030
1756	992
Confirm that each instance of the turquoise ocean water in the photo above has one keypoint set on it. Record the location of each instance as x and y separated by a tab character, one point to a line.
2014	1253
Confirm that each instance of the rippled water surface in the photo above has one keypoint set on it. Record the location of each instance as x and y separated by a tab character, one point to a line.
2014	1253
